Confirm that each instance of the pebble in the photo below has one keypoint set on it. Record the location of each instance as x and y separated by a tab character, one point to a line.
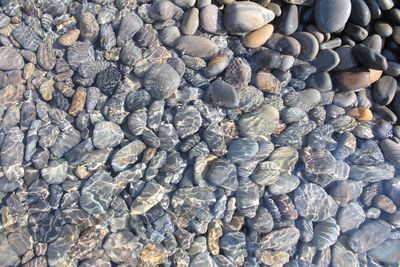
332	16
94	199
107	134
10	59
190	21
351	217
384	90
326	60
223	94
211	19
280	239
384	203
244	17
69	38
242	149
309	45
196	46
258	37
313	203
369	236
150	195
386	252
369	58
360	114
233	245
284	44
390	150
325	234
289	21
161	81
127	155
260	122
360	13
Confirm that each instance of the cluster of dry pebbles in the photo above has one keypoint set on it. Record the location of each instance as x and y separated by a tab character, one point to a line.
199	133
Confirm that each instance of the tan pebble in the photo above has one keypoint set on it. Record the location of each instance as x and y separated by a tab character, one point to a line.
46	90
65	89
112	54
374	75
78	101
69	38
82	172
152	255
28	71
258	37
272	258
361	114
6	31
267	82
213	235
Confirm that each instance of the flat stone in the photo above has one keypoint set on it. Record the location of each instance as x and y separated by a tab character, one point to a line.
223	173
387	252
284	44
223	94
258	37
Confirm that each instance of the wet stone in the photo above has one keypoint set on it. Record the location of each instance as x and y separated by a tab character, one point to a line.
148	197
223	173
96	193
79	53
120	245
281	239
161	81
369	236
242	150
10	59
127	155
107	134
233	245
223	94
325	234
26	37
313	203
262	121
351	217
108	80
187	121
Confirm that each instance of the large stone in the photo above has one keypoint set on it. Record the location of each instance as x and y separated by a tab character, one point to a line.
262	121
331	16
369	236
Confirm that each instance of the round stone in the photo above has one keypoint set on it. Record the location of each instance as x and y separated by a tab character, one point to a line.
258	37
196	46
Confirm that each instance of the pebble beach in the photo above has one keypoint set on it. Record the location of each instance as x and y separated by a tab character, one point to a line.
199	133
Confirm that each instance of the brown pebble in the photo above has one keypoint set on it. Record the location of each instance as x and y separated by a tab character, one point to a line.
267	82
28	71
69	38
78	101
360	114
258	37
82	172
